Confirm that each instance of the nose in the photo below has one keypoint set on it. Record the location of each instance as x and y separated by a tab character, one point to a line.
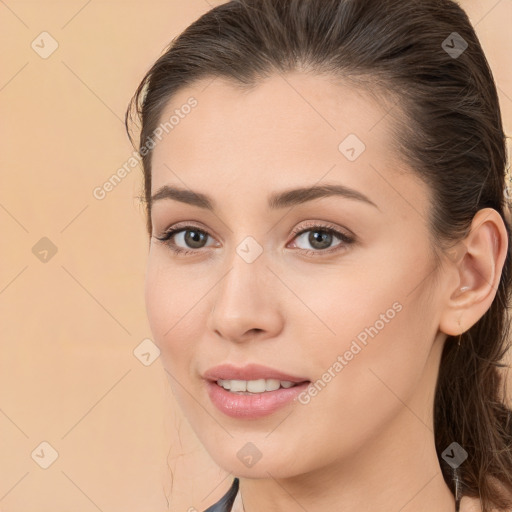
246	303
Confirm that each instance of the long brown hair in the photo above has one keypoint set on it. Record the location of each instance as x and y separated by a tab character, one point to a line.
425	55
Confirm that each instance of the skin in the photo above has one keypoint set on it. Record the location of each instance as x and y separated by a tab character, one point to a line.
366	440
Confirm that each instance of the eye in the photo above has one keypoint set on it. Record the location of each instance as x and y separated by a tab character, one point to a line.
190	237
320	238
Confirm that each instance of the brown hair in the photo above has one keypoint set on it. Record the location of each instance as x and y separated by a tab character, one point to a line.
452	137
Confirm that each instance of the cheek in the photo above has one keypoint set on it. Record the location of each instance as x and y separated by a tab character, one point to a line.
364	390
346	306
172	306
368	325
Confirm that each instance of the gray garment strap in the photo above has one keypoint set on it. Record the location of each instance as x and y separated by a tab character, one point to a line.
226	502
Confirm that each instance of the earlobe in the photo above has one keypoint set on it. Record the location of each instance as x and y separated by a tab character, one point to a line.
478	264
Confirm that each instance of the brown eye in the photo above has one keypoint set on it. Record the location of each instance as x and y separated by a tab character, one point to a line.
194	238
187	239
321	238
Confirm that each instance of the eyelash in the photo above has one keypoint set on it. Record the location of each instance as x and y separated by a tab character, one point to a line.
345	238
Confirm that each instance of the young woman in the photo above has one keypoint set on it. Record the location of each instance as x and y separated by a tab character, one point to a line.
329	267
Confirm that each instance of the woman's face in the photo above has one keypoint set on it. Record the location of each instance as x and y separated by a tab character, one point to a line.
354	311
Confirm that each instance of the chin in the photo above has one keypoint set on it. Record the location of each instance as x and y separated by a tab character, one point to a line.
257	459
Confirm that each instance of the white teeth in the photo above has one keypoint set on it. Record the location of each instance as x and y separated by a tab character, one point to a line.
238	385
273	384
254	386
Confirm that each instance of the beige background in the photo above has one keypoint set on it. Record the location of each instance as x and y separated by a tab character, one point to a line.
69	325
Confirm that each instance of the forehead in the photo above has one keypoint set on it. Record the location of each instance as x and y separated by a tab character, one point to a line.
283	114
289	129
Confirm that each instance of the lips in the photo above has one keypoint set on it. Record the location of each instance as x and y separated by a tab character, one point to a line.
249	372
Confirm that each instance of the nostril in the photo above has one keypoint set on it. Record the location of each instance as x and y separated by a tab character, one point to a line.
254	331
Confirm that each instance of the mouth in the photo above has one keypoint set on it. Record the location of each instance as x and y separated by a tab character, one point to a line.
252	391
256	387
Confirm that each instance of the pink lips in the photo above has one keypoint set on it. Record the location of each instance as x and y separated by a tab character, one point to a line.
248	372
250	405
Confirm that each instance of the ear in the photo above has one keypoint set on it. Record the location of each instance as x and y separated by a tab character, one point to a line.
477	263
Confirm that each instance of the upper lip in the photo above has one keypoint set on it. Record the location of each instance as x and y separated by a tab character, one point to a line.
248	372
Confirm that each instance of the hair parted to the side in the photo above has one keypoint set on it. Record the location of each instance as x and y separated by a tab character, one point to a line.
452	136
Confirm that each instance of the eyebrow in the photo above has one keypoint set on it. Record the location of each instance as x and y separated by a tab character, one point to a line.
276	200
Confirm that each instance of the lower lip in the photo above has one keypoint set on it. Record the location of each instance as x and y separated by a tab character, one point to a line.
252	406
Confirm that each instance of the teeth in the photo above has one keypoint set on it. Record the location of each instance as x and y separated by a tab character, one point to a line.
254	386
